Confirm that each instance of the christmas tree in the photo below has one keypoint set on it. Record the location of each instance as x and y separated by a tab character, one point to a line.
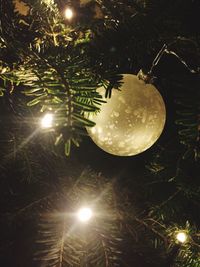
64	201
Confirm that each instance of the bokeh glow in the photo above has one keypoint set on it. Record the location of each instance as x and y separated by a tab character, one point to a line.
182	237
47	121
84	214
69	13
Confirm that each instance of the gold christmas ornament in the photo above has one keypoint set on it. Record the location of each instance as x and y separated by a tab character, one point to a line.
132	119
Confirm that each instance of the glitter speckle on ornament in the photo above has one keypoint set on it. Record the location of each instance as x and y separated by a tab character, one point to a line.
132	119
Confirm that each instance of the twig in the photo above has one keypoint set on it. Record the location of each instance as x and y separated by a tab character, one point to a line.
146	225
150	228
157	58
169	199
29	206
165	49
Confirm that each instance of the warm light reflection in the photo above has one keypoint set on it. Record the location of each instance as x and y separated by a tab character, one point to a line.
182	237
69	13
84	214
47	121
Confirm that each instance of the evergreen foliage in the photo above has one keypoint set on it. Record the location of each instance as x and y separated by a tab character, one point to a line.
48	63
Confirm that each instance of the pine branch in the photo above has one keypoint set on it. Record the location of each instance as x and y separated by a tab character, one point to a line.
150	228
62	244
169	199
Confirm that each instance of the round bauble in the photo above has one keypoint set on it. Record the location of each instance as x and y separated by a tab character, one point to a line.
132	119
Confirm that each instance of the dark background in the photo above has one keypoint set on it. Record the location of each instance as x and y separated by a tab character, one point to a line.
36	169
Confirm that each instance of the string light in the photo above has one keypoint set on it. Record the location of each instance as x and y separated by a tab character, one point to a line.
69	14
84	214
47	121
182	236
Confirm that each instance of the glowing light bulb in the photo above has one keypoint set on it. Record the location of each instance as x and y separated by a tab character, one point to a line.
47	121
84	214
69	13
182	237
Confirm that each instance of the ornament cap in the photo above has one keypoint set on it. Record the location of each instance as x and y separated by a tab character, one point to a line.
147	78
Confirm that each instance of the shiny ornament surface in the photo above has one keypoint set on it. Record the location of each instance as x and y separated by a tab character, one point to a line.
132	119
